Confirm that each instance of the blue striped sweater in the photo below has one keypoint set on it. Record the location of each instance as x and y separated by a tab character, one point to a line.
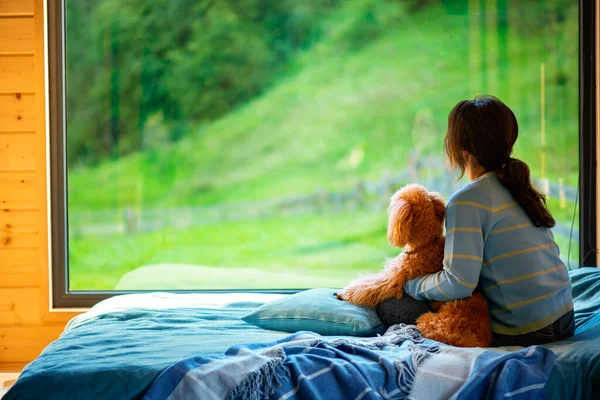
492	246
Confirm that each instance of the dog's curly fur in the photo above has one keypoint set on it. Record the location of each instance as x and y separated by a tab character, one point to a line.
416	219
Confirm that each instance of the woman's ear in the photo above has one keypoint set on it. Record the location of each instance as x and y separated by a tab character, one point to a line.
466	156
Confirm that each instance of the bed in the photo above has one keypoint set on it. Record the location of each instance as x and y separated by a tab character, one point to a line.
119	347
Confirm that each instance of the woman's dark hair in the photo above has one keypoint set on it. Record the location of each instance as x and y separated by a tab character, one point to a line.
487	129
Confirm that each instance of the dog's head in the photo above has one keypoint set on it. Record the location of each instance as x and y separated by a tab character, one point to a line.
415	216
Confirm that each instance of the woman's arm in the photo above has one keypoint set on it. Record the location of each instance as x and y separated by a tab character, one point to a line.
463	257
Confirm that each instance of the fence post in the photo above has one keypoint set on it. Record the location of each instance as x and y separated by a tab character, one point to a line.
359	194
130	220
561	194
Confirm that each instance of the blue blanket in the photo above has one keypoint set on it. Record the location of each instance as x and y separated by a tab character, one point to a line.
308	366
118	348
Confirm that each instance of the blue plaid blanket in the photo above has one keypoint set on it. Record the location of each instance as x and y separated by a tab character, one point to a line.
397	365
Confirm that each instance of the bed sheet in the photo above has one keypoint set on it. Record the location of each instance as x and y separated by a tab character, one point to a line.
120	346
117	348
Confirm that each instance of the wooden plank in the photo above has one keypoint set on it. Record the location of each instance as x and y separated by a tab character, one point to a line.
17	152
16	35
19	229
24	343
19	278
16	74
11	258
64	315
16	15
19	191
17	113
19	267
12	366
19	306
16	6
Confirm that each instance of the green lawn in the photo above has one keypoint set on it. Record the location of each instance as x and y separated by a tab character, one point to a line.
326	247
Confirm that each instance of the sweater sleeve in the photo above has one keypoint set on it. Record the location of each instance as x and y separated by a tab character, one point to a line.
463	257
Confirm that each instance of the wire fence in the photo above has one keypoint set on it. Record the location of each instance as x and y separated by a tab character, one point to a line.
370	195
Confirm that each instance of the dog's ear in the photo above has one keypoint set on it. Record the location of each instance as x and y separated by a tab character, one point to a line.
438	205
400	222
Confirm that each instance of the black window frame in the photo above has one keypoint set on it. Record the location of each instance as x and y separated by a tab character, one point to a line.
62	297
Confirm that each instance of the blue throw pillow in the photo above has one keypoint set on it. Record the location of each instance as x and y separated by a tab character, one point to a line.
319	311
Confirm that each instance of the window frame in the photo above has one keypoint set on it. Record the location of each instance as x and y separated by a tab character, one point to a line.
64	298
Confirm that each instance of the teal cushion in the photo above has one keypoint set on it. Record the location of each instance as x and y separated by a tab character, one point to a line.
319	311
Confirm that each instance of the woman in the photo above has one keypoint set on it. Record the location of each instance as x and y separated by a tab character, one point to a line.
498	237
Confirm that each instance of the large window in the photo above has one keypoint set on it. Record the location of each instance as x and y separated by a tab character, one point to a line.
252	145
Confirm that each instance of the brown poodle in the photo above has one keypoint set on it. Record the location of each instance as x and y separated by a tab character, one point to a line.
416	219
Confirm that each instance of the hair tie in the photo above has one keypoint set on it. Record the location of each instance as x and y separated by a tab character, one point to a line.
506	162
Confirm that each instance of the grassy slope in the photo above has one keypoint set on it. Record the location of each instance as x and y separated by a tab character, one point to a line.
292	140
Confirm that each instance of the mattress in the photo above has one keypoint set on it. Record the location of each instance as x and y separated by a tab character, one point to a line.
121	345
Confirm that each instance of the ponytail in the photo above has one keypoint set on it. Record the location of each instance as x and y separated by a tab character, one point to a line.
515	176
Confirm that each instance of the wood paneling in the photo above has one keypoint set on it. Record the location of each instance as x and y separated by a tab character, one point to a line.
16	74
19	229
19	306
16	35
27	325
16	7
17	112
19	267
17	152
21	344
19	191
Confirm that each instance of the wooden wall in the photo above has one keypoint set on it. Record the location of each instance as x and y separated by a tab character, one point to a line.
26	323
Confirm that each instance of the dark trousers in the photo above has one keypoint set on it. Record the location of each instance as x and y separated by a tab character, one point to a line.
562	328
404	311
408	310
